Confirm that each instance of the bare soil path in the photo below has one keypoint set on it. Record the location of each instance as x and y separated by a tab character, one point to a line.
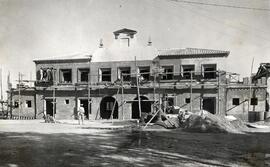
36	144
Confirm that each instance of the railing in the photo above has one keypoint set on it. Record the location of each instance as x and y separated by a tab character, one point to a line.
43	83
162	77
17	117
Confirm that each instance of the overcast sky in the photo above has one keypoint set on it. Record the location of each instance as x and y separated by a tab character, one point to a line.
32	29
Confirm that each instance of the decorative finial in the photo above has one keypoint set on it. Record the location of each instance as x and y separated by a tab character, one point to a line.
149	41
101	43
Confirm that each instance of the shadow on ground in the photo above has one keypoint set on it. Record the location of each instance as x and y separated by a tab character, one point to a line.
133	148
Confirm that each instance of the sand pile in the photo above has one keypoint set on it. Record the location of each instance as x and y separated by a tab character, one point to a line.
239	124
204	121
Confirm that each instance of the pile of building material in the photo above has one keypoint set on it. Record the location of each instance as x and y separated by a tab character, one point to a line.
49	119
203	121
267	119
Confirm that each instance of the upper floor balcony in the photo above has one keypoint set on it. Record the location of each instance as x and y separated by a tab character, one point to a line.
124	75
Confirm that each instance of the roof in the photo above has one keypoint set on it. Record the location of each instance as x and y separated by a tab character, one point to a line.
190	51
146	53
126	31
80	56
114	53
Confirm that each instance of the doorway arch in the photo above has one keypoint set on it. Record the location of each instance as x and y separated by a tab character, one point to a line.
145	107
107	105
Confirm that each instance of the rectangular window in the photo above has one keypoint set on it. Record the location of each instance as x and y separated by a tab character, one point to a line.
186	71
254	101
170	101
83	75
187	100
168	73
109	106
67	101
65	75
145	73
28	103
105	75
16	104
235	101
209	71
124	72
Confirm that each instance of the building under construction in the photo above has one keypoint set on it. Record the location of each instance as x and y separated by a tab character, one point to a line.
126	80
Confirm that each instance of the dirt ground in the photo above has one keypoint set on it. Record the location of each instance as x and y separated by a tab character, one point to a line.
36	144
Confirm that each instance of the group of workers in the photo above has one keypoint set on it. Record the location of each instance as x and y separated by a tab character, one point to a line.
45	74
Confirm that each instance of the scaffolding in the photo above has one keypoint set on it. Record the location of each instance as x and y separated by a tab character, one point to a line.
191	82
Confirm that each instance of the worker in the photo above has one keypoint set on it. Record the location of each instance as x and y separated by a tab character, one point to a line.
81	114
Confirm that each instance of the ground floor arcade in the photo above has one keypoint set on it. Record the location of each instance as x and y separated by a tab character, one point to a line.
111	103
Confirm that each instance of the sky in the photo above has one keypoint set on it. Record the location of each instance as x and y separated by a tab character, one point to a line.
32	29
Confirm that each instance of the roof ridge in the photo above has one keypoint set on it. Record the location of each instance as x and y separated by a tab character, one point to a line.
172	48
125	30
191	51
74	55
206	49
81	55
191	48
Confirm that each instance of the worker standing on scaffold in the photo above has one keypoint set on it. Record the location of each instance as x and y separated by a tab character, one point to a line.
80	114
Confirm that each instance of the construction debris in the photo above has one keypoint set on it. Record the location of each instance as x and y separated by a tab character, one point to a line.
49	119
203	122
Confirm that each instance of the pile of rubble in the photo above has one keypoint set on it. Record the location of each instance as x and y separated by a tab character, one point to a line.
203	121
49	119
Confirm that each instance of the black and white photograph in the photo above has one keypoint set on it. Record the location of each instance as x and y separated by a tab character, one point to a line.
134	83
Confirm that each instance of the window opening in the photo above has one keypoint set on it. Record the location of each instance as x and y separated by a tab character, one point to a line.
105	75
66	75
16	104
187	100
209	71
187	69
28	103
125	73
254	101
83	74
67	101
145	73
109	105
235	101
168	73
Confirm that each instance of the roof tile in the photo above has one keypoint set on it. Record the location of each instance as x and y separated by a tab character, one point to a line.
190	51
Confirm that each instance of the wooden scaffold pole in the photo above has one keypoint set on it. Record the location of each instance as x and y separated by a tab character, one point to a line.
111	117
122	97
19	95
191	100
250	84
2	100
138	89
89	87
218	95
54	100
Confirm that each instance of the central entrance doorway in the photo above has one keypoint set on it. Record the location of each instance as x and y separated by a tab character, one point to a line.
49	107
209	104
145	107
84	102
